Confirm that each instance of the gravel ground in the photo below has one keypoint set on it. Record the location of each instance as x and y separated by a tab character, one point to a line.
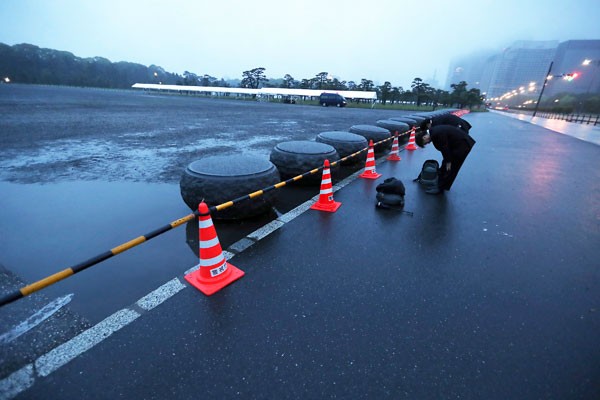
52	134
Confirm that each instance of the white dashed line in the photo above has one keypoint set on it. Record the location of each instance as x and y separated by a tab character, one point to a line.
67	351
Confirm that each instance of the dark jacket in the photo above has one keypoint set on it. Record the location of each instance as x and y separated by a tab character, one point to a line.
452	142
451	119
455	145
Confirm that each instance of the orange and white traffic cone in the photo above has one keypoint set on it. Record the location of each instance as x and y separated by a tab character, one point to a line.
394	154
411	141
326	202
370	172
215	272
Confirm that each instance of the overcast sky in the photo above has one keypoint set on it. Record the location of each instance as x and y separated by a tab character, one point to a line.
381	40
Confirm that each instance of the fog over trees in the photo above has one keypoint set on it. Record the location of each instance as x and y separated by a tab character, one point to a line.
27	63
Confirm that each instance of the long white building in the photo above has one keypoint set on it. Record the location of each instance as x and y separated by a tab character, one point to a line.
349	94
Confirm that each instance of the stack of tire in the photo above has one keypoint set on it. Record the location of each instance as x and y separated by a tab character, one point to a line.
219	179
294	158
376	134
345	143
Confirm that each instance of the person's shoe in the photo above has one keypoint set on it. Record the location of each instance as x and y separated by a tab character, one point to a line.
434	190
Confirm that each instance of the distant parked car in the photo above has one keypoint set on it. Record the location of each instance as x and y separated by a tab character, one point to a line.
288	100
332	99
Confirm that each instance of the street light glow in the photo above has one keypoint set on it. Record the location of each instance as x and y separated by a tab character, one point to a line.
587	61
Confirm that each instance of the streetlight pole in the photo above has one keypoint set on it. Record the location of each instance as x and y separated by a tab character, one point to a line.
542	91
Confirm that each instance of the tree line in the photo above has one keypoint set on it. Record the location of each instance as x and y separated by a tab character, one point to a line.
420	92
27	63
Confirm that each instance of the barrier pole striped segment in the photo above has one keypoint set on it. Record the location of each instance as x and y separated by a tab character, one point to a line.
67	272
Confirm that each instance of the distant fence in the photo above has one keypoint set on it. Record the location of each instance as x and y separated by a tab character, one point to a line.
579	118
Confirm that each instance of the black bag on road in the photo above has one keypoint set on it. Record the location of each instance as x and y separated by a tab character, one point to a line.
430	174
390	194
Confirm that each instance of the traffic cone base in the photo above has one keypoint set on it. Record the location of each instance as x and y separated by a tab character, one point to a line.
370	175
331	207
209	287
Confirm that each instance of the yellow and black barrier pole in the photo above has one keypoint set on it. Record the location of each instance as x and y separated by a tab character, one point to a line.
65	273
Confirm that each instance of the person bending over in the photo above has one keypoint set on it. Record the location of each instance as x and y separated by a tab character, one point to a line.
454	144
446	119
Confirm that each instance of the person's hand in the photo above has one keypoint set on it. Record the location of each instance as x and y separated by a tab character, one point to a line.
448	166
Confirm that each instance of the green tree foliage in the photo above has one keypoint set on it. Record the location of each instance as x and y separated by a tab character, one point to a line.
384	92
26	63
190	79
461	97
253	78
321	80
289	82
459	94
365	85
305	83
420	89
336	84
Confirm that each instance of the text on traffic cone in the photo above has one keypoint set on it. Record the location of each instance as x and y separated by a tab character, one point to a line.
326	202
215	272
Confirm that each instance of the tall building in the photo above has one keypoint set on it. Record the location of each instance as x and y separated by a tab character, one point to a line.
524	62
581	58
517	66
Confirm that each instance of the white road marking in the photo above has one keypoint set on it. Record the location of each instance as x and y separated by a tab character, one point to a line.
36	318
67	351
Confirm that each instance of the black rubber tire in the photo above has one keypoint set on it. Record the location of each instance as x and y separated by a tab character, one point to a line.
409	121
297	157
374	133
395	126
345	143
219	179
418	118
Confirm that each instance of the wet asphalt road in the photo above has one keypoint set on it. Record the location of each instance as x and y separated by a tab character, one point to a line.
490	291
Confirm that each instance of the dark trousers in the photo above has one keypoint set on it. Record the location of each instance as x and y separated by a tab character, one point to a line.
447	178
